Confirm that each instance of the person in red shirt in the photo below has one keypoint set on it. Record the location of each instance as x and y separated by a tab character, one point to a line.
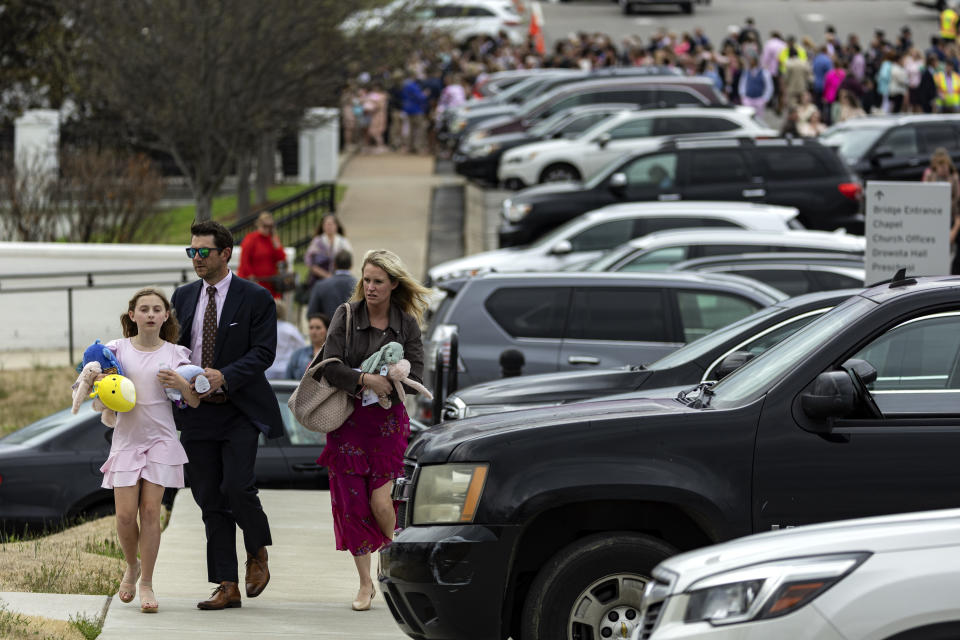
260	253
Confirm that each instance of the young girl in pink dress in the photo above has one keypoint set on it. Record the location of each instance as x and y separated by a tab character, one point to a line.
146	455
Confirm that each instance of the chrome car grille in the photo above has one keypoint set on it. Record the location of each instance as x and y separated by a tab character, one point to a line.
654	596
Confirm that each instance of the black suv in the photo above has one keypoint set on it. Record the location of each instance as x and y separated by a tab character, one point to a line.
792	172
894	147
709	358
545	524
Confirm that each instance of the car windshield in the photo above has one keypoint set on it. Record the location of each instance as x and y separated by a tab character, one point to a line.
610	258
697	348
546	126
41	429
755	378
851	142
596	130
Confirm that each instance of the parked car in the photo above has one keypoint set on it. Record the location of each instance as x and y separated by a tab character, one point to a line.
544	523
626	133
895	147
789	172
647	90
660	251
793	278
628	6
706	359
455	120
472	117
479	155
462	20
886	577
586	238
566	321
50	470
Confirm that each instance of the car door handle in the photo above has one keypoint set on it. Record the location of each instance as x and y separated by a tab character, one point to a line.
583	360
307	466
668	196
754	193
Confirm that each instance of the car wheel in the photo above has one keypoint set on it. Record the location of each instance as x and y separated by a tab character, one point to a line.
513	184
592	588
559	172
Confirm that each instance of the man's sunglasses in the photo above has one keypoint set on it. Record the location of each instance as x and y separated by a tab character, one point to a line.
203	251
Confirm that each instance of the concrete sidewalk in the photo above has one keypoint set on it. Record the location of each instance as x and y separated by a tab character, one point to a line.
309	595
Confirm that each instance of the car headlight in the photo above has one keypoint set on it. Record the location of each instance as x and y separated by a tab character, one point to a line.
513	159
766	590
515	212
484	150
448	492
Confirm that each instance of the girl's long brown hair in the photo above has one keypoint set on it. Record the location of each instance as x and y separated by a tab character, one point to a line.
169	330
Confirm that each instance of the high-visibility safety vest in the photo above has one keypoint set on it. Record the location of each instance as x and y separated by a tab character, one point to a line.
785	54
948	24
947	96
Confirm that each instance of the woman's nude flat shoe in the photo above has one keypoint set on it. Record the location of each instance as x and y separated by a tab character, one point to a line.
128	589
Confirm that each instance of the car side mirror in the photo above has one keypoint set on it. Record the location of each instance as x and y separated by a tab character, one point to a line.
562	248
602	140
833	395
731	363
618	181
883	153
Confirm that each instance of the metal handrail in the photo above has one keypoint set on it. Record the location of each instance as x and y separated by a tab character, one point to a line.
296	218
90	284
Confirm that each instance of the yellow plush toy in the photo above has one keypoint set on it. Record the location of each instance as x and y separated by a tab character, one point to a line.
116	393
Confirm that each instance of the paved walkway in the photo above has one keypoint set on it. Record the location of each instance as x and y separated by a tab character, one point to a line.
309	595
386	205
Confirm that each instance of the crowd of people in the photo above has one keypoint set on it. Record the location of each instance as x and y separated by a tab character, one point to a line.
810	82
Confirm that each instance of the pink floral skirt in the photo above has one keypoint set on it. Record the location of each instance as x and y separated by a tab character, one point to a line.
361	456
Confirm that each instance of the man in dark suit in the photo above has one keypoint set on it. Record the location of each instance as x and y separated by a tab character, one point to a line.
331	292
230	325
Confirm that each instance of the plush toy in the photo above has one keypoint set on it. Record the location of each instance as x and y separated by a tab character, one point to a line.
191	373
389	362
116	392
97	359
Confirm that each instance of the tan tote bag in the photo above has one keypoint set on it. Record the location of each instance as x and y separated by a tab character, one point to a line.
320	406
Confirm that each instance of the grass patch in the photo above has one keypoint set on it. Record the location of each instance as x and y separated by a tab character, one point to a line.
16	626
89	627
176	222
31	394
109	547
68	561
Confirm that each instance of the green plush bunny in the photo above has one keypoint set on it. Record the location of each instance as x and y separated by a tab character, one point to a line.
390	353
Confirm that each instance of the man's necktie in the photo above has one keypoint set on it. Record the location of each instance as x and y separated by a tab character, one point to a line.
209	329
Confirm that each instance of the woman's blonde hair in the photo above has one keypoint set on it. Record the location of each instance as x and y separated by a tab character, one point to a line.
411	296
169	330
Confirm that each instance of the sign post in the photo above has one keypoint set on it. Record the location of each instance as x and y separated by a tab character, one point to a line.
907	226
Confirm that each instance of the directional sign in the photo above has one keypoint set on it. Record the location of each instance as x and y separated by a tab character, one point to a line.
907	226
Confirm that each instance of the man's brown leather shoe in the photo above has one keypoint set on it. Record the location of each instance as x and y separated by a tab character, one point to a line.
226	596
258	574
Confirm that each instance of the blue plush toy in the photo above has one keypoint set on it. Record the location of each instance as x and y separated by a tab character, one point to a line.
97	360
97	352
191	373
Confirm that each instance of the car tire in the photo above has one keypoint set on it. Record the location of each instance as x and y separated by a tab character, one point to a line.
559	172
610	568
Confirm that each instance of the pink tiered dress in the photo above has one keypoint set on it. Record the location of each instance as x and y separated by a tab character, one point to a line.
145	443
